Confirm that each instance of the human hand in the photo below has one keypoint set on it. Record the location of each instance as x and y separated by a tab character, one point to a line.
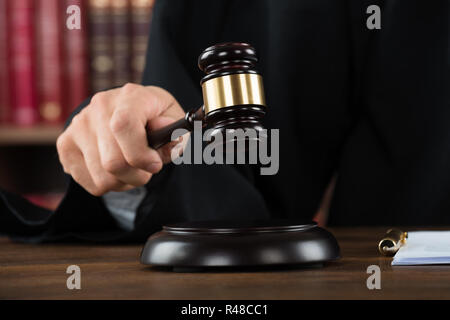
105	147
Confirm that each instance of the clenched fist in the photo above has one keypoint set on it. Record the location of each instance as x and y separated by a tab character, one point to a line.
105	147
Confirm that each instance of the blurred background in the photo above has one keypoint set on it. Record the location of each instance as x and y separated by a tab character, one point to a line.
47	69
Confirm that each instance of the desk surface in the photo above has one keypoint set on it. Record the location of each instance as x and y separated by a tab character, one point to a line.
114	272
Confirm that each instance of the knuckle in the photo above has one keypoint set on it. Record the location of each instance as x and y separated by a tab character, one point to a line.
77	176
161	90
119	121
99	98
64	164
66	170
129	87
104	184
114	165
166	95
78	120
97	192
61	144
63	148
137	161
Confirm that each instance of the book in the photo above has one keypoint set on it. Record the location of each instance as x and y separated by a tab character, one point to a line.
76	72
424	248
141	15
121	41
49	62
21	53
100	43
47	69
4	78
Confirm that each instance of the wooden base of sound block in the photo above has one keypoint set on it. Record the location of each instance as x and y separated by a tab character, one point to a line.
250	245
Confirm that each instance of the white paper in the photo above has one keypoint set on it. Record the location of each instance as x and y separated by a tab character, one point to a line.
424	247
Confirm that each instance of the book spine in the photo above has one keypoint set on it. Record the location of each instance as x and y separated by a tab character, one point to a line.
21	53
4	78
76	59
100	44
121	41
49	60
141	14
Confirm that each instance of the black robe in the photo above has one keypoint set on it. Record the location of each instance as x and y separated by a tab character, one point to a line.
369	105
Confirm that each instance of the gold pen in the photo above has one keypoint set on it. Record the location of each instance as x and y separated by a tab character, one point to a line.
392	241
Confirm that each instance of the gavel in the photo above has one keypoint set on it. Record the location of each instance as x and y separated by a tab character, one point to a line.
233	94
233	98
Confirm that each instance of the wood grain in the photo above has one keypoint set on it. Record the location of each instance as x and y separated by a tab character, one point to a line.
114	272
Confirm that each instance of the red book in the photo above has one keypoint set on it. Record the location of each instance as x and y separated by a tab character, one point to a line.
21	53
49	64
4	78
76	58
141	15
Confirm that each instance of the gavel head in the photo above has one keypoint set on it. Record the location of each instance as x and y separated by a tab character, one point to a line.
233	92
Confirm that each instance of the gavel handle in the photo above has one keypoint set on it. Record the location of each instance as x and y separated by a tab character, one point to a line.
158	138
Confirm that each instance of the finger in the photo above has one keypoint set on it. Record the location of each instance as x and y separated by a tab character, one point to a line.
165	152
80	173
114	162
86	143
153	101
71	157
131	136
128	125
72	161
171	150
77	169
111	156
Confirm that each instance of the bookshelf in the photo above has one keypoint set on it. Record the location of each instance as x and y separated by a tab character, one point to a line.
62	69
37	136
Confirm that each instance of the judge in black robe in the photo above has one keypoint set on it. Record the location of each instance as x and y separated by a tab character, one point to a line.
371	106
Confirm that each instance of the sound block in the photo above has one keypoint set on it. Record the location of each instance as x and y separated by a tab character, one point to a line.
196	246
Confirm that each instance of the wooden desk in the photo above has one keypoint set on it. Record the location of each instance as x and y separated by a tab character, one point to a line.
114	272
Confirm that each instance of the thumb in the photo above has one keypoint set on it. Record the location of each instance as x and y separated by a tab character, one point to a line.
165	152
